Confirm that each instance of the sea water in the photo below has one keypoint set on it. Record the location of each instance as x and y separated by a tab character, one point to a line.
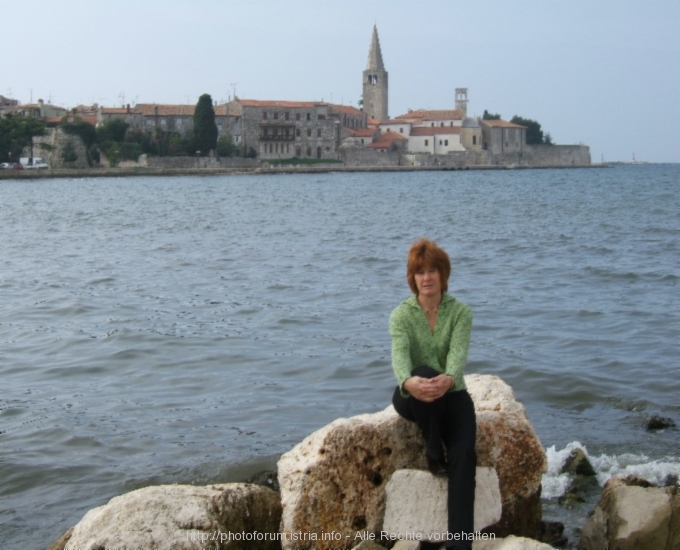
192	329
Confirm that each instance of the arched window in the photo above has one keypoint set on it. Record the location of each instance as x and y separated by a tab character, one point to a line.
474	140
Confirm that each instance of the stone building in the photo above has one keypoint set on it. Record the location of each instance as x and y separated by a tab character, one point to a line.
388	142
41	110
433	118
147	117
500	136
287	129
471	134
375	83
435	140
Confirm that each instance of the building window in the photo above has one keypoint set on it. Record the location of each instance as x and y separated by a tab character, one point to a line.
452	123
320	117
286	115
297	116
309	151
309	132
297	132
442	124
440	142
432	125
446	142
426	142
318	132
264	115
318	152
401	130
276	115
506	143
362	141
474	140
309	116
298	152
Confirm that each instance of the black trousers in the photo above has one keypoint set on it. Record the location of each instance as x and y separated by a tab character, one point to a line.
450	423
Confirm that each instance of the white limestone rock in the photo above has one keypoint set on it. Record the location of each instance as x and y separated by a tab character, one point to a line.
631	516
406	545
417	503
181	517
510	543
335	478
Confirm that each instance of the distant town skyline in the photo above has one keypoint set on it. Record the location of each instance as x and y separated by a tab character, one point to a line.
604	74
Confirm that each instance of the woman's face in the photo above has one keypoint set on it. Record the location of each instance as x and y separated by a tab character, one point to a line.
428	282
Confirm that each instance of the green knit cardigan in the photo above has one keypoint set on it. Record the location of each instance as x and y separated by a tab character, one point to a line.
414	344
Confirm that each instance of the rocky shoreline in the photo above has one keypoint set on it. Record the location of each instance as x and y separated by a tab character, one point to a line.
306	169
358	482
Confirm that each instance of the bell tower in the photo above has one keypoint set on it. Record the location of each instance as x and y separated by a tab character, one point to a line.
461	100
375	81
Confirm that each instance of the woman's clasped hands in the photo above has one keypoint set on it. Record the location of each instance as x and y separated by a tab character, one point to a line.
428	389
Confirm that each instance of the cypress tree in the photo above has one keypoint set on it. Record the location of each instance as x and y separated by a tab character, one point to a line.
205	129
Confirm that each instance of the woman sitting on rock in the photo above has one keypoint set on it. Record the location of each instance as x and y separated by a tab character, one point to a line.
430	338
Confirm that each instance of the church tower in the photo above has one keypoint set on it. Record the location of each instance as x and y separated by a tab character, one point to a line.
375	81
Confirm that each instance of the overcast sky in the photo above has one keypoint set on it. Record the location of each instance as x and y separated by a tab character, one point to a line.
601	72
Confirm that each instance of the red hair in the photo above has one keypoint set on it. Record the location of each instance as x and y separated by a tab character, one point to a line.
425	254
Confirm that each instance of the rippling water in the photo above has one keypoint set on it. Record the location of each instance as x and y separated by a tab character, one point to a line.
191	329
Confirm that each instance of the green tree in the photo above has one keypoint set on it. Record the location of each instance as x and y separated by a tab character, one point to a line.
17	132
547	139
534	132
69	154
113	130
205	129
226	147
490	116
84	130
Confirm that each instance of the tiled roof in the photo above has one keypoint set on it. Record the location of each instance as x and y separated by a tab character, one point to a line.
38	106
282	104
224	110
395	121
423	115
117	111
500	123
347	109
391	136
386	139
434	131
361	132
54	120
149	109
373	121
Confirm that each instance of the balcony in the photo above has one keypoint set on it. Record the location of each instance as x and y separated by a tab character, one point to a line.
278	137
277	132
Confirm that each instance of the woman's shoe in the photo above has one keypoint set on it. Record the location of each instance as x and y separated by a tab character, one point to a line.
437	467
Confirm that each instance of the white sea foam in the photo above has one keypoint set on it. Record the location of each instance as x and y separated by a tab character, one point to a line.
555	483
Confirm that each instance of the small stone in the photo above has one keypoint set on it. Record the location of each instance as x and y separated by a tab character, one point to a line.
267	478
578	463
671	480
656	422
368	545
406	545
